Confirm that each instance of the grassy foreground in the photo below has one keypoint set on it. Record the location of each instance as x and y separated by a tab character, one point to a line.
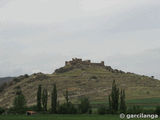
63	117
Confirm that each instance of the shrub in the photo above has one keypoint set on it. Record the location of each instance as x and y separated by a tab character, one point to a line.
26	75
11	110
32	108
101	110
63	69
19	104
94	77
2	111
148	111
135	110
18	87
108	111
40	76
16	80
90	110
67	108
84	106
14	110
157	111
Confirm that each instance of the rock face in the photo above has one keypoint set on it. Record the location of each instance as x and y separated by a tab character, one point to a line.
75	61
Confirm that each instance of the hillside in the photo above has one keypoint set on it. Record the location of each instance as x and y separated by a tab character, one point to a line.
82	78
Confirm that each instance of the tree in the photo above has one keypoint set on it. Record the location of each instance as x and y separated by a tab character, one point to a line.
122	102
67	107
19	103
114	98
157	111
102	110
84	105
54	99
110	102
39	92
44	99
2	110
66	96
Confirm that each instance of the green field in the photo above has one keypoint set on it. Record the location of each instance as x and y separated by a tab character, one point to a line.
145	103
63	117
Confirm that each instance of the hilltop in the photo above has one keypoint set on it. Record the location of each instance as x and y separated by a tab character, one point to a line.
82	78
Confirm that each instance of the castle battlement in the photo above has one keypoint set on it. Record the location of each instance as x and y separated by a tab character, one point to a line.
75	61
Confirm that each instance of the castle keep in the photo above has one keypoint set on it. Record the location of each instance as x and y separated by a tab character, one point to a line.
75	61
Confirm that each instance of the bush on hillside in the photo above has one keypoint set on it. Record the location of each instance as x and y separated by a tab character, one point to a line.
135	110
84	105
67	108
102	110
93	77
32	108
157	111
63	69
2	111
16	80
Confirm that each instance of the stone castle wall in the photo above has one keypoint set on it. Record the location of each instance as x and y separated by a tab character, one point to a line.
75	61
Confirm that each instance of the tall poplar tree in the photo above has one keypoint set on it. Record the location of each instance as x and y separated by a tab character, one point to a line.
39	92
67	96
44	99
122	102
110	102
54	99
19	103
114	98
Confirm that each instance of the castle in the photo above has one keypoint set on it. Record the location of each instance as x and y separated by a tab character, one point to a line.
75	61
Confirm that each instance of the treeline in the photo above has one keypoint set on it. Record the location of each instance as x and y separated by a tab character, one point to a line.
66	108
20	103
116	104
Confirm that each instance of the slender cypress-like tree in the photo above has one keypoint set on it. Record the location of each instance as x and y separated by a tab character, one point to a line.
19	103
44	99
114	98
110	102
39	106
122	102
67	96
54	99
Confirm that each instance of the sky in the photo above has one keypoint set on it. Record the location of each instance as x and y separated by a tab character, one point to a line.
40	35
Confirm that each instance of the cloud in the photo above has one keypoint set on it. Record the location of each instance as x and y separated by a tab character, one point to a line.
39	35
4	2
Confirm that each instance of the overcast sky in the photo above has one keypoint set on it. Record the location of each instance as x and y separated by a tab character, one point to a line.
40	35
